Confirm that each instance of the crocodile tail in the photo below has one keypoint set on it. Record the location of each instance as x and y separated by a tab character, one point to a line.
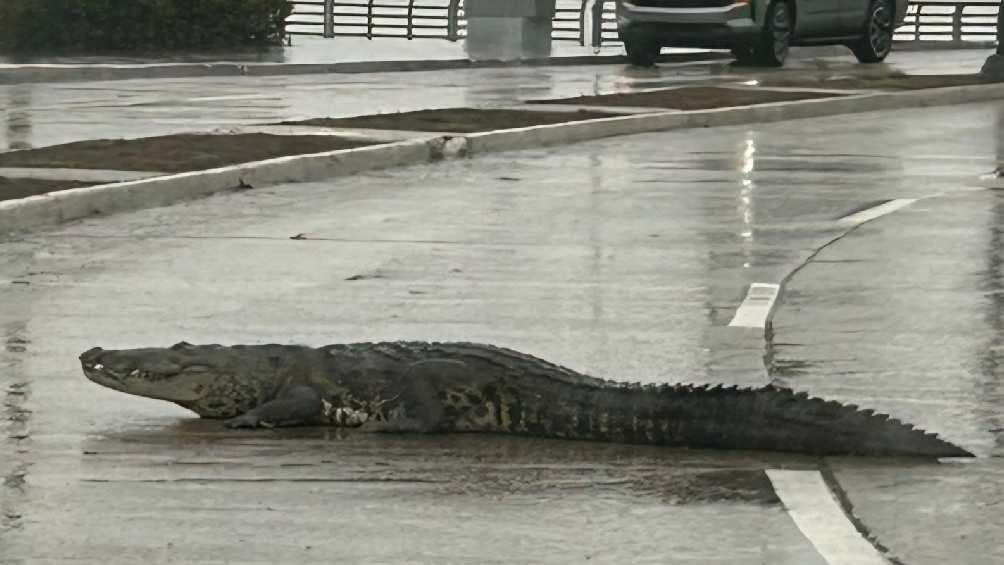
769	418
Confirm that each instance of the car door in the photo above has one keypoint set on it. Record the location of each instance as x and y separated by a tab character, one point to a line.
818	18
855	13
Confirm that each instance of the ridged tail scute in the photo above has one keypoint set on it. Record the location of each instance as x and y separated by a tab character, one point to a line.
769	418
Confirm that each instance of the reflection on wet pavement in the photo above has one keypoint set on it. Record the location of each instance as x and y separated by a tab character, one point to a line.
204	452
18	117
370	499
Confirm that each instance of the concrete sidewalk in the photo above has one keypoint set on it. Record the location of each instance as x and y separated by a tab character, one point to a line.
308	55
309	50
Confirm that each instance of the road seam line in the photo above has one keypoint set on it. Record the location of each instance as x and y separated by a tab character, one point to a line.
819	516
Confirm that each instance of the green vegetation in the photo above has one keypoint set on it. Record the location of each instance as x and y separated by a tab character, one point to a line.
84	26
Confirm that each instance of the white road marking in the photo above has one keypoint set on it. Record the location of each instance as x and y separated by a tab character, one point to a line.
753	312
875	212
815	511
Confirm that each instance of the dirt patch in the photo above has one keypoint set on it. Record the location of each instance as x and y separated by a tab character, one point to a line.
174	153
454	120
689	98
891	82
22	188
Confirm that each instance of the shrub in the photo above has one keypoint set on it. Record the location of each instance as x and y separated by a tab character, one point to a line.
83	26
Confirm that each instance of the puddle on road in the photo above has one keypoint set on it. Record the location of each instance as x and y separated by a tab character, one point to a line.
203	452
195	491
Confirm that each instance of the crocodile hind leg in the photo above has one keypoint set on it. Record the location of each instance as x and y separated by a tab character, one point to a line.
419	407
296	406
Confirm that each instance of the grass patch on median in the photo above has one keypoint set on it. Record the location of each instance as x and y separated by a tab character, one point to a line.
174	153
453	120
11	189
888	82
690	98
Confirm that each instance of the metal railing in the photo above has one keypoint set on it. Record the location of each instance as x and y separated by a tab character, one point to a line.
594	21
412	19
569	22
404	19
963	20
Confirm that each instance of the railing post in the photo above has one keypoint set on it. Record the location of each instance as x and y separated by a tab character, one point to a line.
329	18
582	22
597	23
916	22
957	23
411	19
453	21
369	20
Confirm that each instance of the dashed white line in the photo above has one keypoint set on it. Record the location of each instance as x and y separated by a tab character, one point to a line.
816	512
753	312
875	212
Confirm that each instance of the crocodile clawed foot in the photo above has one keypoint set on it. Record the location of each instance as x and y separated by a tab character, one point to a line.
242	421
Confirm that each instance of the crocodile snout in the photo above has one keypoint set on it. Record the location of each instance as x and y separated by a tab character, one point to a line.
91	355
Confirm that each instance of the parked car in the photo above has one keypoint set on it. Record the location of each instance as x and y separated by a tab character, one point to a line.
758	31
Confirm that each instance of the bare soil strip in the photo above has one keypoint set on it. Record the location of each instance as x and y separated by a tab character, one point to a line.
453	120
690	98
174	153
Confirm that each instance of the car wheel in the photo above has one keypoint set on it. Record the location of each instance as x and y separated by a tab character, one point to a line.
642	51
772	49
876	41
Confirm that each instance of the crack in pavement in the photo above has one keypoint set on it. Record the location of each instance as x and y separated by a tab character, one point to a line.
773	374
15	417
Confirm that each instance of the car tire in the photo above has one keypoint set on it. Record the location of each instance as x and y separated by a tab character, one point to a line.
642	51
876	39
772	48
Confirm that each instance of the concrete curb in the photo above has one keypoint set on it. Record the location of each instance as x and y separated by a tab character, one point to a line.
20	74
65	205
56	207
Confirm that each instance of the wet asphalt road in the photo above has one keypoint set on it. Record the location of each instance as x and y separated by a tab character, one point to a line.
624	258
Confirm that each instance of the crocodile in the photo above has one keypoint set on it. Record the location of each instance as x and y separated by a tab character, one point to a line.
468	387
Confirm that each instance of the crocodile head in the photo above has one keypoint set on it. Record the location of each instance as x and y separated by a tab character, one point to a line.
209	379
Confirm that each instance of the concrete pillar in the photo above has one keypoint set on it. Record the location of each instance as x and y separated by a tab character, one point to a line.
508	29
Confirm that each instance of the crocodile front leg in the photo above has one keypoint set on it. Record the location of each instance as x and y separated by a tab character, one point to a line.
296	406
